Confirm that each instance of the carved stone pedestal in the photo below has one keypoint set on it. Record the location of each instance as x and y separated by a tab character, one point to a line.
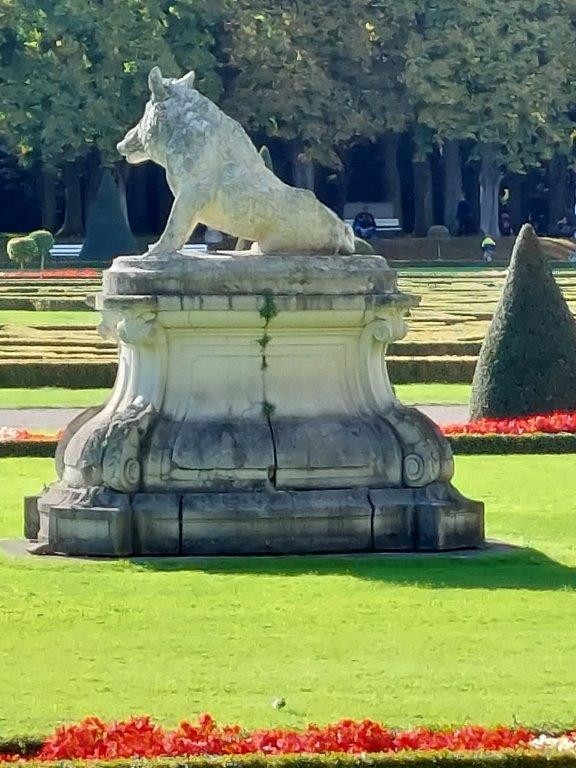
252	413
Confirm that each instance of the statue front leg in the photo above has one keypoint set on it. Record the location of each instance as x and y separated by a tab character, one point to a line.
180	225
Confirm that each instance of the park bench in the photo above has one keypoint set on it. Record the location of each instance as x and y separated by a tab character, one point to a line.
383	214
72	250
382	225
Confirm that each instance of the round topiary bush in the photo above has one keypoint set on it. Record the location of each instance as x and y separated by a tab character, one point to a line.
23	250
44	241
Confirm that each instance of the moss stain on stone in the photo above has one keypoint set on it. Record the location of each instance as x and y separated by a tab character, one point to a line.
268	310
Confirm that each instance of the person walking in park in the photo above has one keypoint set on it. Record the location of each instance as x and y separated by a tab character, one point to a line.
488	249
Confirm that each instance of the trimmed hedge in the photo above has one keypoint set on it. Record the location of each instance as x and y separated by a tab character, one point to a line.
460	444
43	304
527	363
430	369
70	375
503	444
94	374
504	759
14	449
437	348
21	745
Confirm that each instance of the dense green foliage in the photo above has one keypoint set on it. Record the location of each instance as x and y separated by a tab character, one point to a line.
23	250
504	445
44	241
320	77
527	363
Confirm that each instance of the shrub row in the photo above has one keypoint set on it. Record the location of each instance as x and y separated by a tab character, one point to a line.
435	348
503	444
21	745
505	759
461	445
43	304
70	375
93	374
431	369
27	448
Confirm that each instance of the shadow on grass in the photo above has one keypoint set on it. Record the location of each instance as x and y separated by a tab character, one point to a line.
521	569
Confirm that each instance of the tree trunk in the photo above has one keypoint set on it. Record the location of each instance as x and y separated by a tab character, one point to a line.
452	181
490	178
341	196
392	187
515	206
303	170
73	225
48	198
557	184
472	192
137	199
423	218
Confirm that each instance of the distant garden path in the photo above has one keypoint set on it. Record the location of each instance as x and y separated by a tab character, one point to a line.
53	419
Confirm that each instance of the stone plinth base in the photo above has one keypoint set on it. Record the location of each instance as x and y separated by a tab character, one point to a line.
252	413
266	522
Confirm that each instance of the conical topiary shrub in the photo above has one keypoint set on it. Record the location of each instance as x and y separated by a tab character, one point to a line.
527	363
107	229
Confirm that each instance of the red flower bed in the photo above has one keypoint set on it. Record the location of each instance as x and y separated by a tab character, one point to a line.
20	435
93	739
65	272
550	423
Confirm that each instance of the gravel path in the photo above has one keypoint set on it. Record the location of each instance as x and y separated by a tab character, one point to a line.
53	419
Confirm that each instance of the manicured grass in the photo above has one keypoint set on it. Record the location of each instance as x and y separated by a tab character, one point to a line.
427	394
63	318
430	639
51	397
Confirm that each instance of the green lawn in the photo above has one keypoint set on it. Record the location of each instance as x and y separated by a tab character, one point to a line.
51	397
431	394
60	317
434	640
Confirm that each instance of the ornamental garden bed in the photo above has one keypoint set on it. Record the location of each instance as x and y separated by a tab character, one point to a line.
346	742
544	433
52	273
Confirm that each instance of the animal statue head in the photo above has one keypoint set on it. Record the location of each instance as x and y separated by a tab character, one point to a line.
136	147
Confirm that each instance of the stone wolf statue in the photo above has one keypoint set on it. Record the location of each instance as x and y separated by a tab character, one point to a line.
218	178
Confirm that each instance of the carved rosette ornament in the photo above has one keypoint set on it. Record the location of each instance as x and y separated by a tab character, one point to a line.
252	412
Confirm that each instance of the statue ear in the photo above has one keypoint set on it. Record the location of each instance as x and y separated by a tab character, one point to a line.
156	85
188	80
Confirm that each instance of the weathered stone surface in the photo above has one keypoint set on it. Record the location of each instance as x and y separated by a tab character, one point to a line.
394	525
31	517
204	454
331	452
156	520
276	522
95	531
218	177
256	426
219	275
447	520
